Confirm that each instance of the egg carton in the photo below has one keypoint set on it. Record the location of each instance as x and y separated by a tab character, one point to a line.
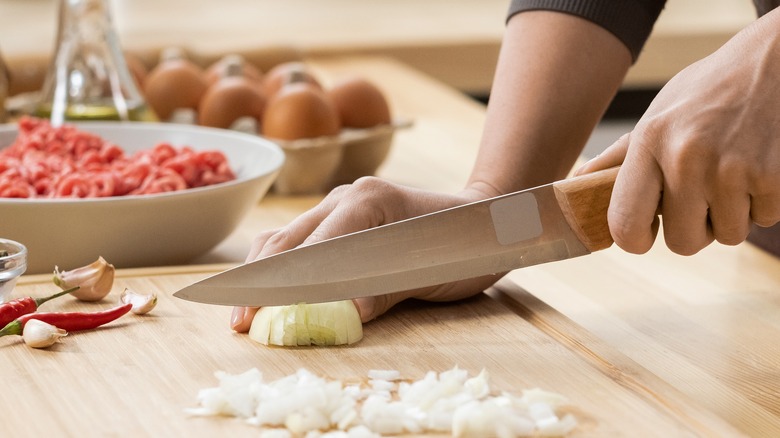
317	165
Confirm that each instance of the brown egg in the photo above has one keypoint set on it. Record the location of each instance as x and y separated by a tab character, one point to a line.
360	103
300	110
230	99
219	69
287	73
174	83
137	69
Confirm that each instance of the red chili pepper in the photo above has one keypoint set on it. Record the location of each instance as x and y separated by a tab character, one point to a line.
71	321
21	306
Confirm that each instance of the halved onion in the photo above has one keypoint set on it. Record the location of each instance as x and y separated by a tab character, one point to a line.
333	323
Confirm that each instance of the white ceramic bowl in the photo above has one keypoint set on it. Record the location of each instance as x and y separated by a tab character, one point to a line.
147	230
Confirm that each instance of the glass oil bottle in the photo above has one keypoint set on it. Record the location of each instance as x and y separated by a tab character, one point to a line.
88	78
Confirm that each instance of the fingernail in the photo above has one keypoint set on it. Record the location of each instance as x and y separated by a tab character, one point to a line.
237	318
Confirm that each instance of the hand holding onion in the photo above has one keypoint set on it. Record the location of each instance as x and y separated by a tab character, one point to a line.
367	203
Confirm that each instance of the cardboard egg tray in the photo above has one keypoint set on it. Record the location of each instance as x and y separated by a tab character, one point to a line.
316	165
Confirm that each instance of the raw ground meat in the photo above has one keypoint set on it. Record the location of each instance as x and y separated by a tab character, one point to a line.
64	162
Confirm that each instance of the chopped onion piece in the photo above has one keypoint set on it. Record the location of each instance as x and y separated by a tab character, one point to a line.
451	402
334	323
382	385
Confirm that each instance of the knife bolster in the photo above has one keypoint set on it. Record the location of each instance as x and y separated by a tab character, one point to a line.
584	201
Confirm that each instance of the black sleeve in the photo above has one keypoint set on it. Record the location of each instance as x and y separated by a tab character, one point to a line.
629	20
764	6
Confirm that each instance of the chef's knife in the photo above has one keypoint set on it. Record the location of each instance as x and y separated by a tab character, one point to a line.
553	222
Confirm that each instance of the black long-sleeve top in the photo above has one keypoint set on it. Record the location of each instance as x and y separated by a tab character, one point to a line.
629	20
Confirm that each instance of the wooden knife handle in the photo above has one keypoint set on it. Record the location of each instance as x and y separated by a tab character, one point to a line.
584	201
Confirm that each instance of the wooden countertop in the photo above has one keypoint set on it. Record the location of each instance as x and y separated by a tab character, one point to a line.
653	345
455	41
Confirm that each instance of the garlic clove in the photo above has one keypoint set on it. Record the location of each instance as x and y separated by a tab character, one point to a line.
39	334
142	303
94	280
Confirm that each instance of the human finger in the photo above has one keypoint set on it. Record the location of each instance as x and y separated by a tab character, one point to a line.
258	243
268	243
367	204
281	239
685	212
370	308
612	156
729	211
371	202
765	210
241	319
300	228
632	214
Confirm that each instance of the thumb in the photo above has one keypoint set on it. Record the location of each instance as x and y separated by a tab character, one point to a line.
370	308
611	157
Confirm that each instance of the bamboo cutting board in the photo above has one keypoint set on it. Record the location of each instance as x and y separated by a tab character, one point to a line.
136	376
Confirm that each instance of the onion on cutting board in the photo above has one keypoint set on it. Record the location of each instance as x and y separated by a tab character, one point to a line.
321	324
452	402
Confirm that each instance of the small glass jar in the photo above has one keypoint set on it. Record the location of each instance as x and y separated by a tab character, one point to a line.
13	263
88	78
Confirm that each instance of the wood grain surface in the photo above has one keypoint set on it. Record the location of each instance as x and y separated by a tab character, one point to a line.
136	376
707	325
584	201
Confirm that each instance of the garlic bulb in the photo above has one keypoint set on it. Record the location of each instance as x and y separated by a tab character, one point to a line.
94	280
39	334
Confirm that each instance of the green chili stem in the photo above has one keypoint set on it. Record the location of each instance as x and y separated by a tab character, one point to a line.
39	301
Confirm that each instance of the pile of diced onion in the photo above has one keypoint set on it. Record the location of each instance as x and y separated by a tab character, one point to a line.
306	405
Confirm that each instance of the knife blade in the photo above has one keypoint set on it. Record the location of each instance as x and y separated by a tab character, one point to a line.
552	222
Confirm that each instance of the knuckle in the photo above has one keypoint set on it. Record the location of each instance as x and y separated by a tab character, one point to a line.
371	191
316	236
261	238
278	238
688	152
732	169
371	185
337	193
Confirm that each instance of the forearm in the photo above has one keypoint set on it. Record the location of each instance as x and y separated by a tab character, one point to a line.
555	78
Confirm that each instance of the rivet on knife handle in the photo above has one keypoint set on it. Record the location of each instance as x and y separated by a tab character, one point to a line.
584	201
